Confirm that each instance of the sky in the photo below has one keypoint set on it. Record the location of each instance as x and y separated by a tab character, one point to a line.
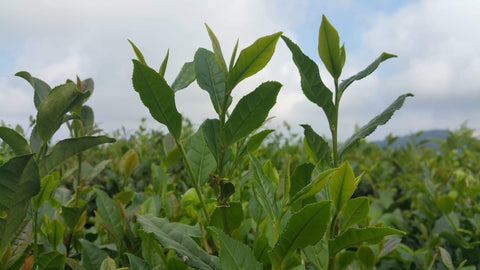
437	43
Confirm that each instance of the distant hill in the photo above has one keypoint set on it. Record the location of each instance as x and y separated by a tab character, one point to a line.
401	141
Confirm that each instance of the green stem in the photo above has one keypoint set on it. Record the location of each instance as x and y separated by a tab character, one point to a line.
226	228
194	181
77	186
35	238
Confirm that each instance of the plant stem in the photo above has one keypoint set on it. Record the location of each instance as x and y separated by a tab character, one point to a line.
35	238
77	186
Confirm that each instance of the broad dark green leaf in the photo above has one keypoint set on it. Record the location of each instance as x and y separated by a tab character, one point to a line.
74	264
311	82
217	49
366	130
151	250
317	254
300	178
318	145
252	59
52	260
16	141
364	73
329	48
19	182
211	78
110	216
48	185
305	227
53	108
234	254
55	231
21	240
366	257
158	97
137	263
71	215
185	77
256	140
40	87
171	237
234	216
138	53
356	236
355	211
263	188
251	111
314	187
342	186
92	255
211	132
35	140
163	66
68	148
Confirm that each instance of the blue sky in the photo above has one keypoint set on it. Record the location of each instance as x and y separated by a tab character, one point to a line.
436	40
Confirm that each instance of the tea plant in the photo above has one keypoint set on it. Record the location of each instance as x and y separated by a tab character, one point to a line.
275	216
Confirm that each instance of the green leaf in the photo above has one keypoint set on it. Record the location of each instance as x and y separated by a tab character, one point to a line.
53	108
355	211
234	55
71	215
312	86
344	259
48	185
252	59
211	78
92	255
300	178
52	260
163	66
185	77
263	188
201	159
67	148
446	258
233	254
446	204
305	227
318	145
128	162
110	216
364	73
211	132
342	186
40	87
108	264
55	231
124	197
329	48
16	141
87	118
389	246
158	97
256	140
251	111
35	140
137	264
138	53
234	216
314	187
19	182
217	49
21	240
366	257
366	130
171	237
151	250
356	236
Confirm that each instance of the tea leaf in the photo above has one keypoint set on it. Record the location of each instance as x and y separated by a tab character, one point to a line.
137	264
234	254
51	260
446	258
389	246
364	73
109	215
211	78
138	53
446	204
201	159
55	231
108	264
318	145
92	255
211	132
163	66
342	185
16	141
170	237
185	77
356	236
314	187
380	119
251	111
151	250
305	227
234	216
71	215
366	257
355	211
128	163
87	118
48	185
263	188
312	85
256	140
217	49
234	55
158	97
68	148
300	178
19	182
40	87
252	59
328	48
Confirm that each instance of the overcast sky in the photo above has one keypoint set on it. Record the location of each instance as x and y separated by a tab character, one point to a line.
437	43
